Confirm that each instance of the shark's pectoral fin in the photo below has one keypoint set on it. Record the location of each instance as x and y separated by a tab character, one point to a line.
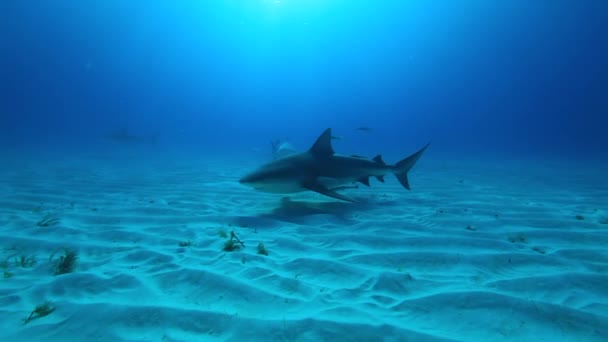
323	190
344	187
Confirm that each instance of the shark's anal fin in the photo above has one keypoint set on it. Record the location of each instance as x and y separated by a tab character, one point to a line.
323	190
378	159
364	180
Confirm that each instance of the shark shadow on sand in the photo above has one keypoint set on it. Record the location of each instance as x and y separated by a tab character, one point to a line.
299	212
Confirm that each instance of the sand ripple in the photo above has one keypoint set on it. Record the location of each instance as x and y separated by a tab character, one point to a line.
471	253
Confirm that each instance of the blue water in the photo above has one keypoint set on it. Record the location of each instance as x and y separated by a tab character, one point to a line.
475	77
138	84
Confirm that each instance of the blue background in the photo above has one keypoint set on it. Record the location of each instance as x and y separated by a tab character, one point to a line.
477	77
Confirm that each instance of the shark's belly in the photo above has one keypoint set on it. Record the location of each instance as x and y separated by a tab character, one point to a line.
329	182
280	187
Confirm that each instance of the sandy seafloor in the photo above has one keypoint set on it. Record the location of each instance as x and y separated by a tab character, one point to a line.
477	251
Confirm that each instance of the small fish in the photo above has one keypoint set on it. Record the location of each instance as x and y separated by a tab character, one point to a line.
364	129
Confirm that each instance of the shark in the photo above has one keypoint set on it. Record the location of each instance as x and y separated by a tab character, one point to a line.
281	148
323	171
123	136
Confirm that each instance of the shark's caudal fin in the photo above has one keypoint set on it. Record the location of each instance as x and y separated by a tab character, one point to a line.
404	166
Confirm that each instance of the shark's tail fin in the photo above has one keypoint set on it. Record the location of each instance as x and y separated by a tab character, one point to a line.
404	166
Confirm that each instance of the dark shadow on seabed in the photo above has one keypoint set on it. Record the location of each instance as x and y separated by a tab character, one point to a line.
308	212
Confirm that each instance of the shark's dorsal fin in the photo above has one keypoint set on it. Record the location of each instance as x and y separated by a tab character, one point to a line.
378	159
322	146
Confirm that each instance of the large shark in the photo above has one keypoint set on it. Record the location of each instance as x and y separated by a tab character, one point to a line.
321	170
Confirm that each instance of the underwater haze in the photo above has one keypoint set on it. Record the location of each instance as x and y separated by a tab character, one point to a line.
137	202
476	77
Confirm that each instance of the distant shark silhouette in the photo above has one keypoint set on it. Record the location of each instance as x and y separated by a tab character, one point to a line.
281	149
124	136
323	171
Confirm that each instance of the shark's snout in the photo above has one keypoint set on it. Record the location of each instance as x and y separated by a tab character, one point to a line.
262	181
249	179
